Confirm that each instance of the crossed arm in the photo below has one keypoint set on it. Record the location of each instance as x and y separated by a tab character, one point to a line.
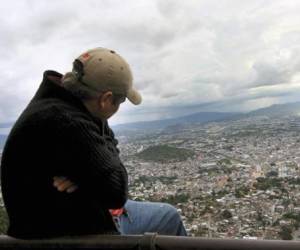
99	168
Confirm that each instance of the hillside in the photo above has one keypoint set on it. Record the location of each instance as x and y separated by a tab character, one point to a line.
165	153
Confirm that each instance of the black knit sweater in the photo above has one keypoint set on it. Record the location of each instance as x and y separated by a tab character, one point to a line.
57	136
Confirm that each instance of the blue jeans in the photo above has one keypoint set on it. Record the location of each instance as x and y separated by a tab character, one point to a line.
143	217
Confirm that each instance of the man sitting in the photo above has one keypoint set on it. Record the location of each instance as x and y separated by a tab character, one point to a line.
61	174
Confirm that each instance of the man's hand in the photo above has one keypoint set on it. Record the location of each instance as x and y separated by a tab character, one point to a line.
63	184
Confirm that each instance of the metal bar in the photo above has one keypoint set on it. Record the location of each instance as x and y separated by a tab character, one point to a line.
168	242
147	241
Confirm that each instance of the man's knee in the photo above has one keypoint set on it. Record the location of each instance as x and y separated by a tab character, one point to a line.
171	223
153	217
171	212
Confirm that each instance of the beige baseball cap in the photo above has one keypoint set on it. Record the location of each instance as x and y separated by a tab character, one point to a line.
102	70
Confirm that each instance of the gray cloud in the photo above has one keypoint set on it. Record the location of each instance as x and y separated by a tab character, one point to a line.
212	55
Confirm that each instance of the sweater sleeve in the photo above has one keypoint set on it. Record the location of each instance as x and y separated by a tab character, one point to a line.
99	171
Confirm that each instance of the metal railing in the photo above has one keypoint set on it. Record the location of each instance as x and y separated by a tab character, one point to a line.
146	242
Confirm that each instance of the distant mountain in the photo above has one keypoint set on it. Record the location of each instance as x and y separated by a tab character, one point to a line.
278	110
273	111
201	117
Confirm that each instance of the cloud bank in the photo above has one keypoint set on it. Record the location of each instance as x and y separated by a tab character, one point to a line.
211	55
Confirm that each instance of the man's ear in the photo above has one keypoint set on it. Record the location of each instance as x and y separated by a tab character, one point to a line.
106	99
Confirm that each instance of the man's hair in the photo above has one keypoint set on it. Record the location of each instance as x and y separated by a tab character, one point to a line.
71	83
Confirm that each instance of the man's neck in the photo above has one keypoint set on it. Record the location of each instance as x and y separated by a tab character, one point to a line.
92	108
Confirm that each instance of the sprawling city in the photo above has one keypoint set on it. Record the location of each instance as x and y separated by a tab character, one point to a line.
236	178
242	180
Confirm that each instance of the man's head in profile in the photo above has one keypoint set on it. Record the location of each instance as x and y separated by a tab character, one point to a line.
102	79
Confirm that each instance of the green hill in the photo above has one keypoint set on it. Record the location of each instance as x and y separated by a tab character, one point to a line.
165	153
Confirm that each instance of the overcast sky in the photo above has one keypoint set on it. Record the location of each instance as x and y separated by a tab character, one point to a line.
186	56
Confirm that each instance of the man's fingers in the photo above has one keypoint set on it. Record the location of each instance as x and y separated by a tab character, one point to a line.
58	180
72	189
65	185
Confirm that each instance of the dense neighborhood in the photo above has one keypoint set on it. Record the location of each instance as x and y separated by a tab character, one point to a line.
242	182
228	179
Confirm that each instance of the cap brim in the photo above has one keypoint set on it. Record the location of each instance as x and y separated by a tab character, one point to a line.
134	96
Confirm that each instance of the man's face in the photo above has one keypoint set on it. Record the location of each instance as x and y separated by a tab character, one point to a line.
111	110
109	104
